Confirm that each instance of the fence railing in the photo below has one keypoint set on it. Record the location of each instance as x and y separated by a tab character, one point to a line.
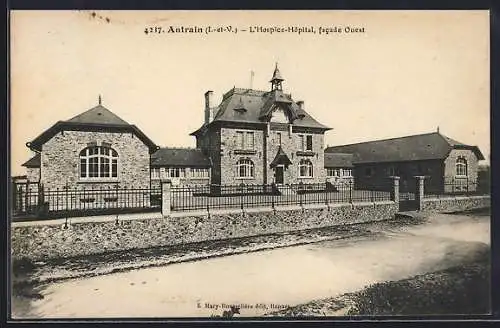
63	202
250	196
455	187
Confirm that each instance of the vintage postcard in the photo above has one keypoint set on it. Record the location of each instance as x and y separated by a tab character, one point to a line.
235	164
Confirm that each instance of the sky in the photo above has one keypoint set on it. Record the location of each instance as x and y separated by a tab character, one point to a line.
408	73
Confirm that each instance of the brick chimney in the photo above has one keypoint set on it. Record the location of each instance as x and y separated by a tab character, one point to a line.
209	96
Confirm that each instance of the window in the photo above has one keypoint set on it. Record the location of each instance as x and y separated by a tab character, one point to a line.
244	168
249	140
98	162
175	172
393	171
245	140
239	139
305	169
305	142
199	173
278	137
347	172
309	142
155	173
368	172
461	166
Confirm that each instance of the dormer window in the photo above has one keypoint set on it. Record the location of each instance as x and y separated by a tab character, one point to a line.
279	116
240	107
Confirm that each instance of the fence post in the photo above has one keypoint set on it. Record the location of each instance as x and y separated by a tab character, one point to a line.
166	197
395	189
419	192
350	192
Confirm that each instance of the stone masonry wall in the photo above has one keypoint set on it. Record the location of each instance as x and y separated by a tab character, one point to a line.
60	162
230	157
33	174
291	145
450	170
53	241
210	144
264	154
454	204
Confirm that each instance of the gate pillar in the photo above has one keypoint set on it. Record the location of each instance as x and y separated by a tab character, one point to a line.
419	191
395	189
166	197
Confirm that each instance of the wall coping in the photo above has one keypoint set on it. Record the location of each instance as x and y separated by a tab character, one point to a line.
433	199
157	215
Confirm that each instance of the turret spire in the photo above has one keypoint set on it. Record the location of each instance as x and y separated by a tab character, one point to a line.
276	80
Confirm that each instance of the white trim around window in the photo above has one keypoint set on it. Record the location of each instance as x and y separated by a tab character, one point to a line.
98	163
306	169
461	167
245	169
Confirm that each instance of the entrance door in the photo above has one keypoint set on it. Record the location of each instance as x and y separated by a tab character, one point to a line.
278	174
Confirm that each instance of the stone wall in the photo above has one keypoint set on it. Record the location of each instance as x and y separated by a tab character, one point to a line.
460	184
210	143
60	160
454	204
229	157
33	174
39	242
290	143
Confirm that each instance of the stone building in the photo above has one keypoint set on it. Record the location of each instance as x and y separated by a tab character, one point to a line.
95	149
448	165
182	166
339	168
261	137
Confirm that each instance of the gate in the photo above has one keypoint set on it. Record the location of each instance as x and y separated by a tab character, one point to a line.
26	198
407	191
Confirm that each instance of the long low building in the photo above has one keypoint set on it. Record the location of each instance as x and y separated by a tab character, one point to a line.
447	164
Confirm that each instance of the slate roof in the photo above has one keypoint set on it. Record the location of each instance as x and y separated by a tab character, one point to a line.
33	161
427	146
98	115
338	160
280	158
97	118
180	157
258	105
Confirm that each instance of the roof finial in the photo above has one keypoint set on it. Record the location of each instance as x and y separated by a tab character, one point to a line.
100	99
276	80
438	129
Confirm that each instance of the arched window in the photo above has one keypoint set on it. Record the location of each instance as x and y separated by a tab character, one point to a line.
244	168
305	168
98	162
461	166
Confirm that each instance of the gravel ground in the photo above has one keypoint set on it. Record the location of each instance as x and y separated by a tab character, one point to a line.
464	288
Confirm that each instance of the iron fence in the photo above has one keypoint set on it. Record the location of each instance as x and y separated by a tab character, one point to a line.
455	187
189	198
35	200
